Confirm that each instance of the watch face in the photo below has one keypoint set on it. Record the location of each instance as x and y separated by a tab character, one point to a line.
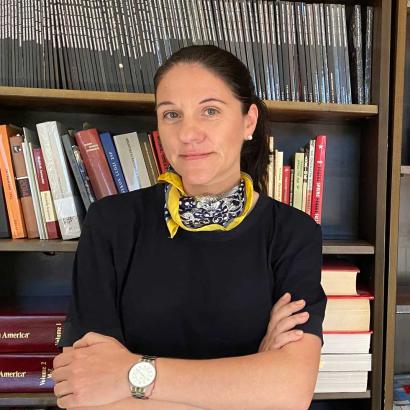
142	374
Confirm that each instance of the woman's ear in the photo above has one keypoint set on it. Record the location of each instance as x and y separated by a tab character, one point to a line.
251	119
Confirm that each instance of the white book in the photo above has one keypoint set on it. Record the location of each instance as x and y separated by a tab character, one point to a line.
345	362
271	166
132	161
35	194
312	144
67	202
349	342
341	382
278	175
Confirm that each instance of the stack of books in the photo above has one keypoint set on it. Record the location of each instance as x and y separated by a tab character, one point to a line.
302	184
29	335
295	51
345	358
49	180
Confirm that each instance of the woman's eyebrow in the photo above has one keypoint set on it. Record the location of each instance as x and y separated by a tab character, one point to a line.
201	102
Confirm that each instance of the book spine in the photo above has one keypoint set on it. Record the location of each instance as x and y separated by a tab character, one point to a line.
4	222
65	196
324	51
285	50
78	168
286	184
279	51
310	176
306	40
30	334
301	53
92	153
298	180
154	154
160	152
23	186
318	178
148	157
346	55
47	204
292	179
330	55
271	167
26	373
278	175
305	179
114	162
14	208
368	54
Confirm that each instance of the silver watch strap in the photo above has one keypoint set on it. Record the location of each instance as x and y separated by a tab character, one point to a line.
139	392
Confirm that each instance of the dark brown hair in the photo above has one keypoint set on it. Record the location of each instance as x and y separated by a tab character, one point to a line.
255	153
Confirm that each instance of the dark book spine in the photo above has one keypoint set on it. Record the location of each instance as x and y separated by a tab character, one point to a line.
301	53
305	27
296	64
324	52
346	55
280	51
30	334
368	54
30	373
340	55
330	59
333	29
319	53
312	49
272	25
291	51
285	50
4	220
267	59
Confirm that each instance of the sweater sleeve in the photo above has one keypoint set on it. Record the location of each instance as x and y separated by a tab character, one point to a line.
93	304
297	269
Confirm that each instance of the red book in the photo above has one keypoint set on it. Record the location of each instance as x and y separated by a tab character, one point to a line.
32	324
31	333
95	161
162	159
30	373
47	203
318	178
286	184
152	145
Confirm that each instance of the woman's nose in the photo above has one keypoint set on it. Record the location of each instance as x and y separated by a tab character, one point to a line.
190	132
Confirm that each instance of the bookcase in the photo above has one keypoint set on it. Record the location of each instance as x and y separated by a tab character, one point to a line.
354	205
398	297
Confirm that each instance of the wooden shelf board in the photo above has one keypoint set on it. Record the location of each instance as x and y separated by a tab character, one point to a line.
48	399
27	399
36	245
117	102
405	169
338	396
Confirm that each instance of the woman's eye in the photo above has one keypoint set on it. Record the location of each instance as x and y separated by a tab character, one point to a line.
211	111
170	115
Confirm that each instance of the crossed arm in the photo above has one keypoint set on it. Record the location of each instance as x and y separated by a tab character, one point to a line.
281	375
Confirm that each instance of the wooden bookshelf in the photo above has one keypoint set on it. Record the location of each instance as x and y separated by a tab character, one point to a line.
398	296
360	137
125	103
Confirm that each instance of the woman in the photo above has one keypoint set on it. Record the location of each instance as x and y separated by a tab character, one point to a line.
177	282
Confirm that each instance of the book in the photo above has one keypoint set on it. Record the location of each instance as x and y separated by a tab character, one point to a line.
26	373
47	205
13	202
162	160
338	382
286	184
23	185
368	53
339	277
68	206
345	362
299	158
318	178
78	168
347	313
278	175
93	156
346	342
113	161
132	160
4	220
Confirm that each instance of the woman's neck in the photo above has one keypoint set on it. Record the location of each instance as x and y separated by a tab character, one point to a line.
212	189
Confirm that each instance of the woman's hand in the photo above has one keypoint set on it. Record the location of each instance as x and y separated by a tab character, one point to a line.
282	322
93	373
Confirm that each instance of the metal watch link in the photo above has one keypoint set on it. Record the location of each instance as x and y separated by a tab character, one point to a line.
142	375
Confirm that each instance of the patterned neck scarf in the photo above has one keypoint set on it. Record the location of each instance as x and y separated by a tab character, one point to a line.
205	213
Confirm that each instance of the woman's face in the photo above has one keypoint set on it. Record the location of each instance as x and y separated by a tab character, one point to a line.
202	128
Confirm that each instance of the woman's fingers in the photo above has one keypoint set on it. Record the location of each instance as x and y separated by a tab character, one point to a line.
284	311
284	338
290	322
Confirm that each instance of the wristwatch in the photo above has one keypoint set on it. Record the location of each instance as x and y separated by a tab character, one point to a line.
141	376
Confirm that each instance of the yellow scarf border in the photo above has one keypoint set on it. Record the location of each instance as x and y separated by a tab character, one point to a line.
176	190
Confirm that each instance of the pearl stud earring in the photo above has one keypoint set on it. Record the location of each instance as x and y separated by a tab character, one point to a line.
249	137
